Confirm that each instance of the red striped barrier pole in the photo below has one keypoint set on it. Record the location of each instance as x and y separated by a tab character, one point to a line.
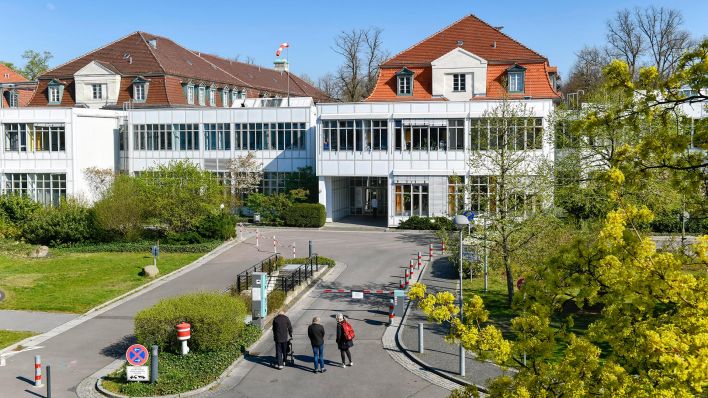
390	311
37	371
420	259
400	284
430	252
258	235
407	276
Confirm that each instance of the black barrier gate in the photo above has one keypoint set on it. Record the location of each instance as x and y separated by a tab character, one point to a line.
243	280
295	278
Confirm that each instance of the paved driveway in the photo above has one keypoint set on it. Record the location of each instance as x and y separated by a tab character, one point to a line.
373	259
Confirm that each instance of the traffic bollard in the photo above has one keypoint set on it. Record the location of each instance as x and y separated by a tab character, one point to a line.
462	360
258	235
309	248
410	265
420	259
275	248
430	252
407	276
153	365
37	371
390	311
49	381
420	338
443	247
293	249
400	283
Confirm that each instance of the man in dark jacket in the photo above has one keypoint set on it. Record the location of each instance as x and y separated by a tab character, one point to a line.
316	334
282	333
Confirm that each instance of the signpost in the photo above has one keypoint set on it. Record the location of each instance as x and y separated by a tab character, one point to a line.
137	356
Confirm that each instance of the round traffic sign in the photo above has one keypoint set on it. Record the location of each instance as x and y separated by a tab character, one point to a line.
137	355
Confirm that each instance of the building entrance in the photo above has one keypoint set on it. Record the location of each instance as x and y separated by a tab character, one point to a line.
365	193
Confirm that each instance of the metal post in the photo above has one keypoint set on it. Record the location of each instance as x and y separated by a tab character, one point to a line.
309	251
153	365
486	268
462	349
421	347
49	381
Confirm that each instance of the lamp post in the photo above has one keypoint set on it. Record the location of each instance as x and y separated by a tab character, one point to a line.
461	222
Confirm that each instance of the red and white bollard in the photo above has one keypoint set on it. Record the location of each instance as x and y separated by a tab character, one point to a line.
430	252
258	235
407	276
184	332
412	264
294	250
275	248
420	260
443	247
400	283
391	314
37	371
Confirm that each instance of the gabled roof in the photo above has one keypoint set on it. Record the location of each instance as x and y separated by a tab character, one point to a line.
8	75
477	36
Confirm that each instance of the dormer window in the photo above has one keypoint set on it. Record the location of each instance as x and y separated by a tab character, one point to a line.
55	92
516	77
212	96
140	89
13	98
97	91
189	93
459	82
202	95
225	97
404	82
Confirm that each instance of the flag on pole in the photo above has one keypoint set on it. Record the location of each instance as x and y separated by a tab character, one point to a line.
280	49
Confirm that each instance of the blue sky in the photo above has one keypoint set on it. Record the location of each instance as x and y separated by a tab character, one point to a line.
556	29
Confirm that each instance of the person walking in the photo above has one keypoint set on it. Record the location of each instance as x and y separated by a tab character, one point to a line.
282	333
345	339
316	334
375	206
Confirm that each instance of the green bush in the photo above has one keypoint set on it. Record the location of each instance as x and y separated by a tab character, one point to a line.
138	247
276	299
70	222
310	215
426	223
183	238
321	260
219	226
272	208
216	319
17	209
671	223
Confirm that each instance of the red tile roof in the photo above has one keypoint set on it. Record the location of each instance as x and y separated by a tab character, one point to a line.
8	75
477	36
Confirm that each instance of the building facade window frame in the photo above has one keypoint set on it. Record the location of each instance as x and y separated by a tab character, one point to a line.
355	135
404	82
411	199
516	77
270	136
217	136
202	95
429	135
46	188
459	82
55	92
13	98
189	93
525	134
35	137
212	95
140	89
225	97
97	91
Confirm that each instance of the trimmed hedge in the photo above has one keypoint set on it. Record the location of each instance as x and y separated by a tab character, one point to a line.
309	215
138	247
321	260
216	319
426	223
69	222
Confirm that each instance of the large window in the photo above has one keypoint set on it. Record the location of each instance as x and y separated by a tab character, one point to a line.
411	200
455	194
29	137
459	82
270	136
188	136
273	182
45	188
518	198
513	134
217	136
152	137
479	193
354	135
430	135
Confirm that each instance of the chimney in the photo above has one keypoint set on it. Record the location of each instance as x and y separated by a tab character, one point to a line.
281	65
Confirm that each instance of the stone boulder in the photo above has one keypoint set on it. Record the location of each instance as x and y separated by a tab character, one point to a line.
150	271
39	252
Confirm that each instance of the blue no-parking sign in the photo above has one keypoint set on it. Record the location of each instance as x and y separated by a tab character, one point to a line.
137	355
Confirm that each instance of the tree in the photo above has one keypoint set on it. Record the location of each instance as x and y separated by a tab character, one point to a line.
327	83
666	41
625	40
246	174
123	209
586	73
36	63
306	180
362	50
519	178
99	180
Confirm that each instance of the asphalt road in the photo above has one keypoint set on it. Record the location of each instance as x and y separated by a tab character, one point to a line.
374	259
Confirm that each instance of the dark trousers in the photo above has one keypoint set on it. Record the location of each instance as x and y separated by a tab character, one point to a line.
376	211
281	349
318	353
349	355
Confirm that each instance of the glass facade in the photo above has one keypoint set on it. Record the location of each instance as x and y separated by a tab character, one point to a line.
45	188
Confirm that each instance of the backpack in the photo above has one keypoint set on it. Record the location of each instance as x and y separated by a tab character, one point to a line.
348	330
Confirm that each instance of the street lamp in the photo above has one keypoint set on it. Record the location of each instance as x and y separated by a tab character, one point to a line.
461	222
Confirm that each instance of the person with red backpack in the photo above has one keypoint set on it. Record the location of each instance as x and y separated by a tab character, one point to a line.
345	339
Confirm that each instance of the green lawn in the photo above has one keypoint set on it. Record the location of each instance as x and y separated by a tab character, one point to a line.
74	282
9	337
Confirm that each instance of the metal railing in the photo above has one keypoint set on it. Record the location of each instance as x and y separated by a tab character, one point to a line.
243	280
290	281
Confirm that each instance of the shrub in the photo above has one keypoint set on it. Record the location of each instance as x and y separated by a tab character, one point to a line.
426	223
311	215
184	238
276	299
137	247
305	260
216	319
70	222
17	209
272	208
219	226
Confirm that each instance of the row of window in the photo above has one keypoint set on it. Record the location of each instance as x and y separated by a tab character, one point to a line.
46	188
520	134
200	93
442	135
217	136
34	137
354	135
515	77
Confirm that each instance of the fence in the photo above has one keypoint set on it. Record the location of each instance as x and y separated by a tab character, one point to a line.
243	280
295	278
